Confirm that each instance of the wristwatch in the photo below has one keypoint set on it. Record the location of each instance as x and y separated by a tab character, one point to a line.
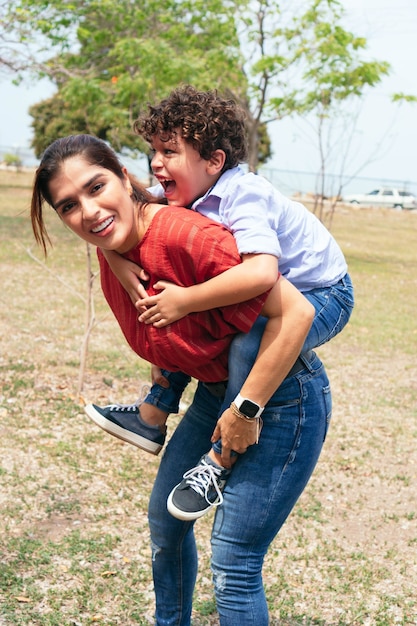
247	407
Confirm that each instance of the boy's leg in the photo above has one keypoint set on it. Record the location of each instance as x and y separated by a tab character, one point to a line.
333	307
142	424
202	486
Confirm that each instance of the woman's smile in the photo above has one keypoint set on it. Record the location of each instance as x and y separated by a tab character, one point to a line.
103	226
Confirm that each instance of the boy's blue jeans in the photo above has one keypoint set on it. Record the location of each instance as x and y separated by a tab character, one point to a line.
264	486
333	307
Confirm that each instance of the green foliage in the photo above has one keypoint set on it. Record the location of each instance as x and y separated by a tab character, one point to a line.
127	54
110	58
13	160
402	97
329	60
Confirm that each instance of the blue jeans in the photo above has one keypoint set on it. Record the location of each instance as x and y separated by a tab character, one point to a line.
168	398
333	307
264	486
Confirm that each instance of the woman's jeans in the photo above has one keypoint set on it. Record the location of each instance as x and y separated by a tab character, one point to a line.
259	495
333	307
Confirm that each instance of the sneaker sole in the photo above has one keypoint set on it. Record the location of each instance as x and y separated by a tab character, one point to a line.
121	433
185	516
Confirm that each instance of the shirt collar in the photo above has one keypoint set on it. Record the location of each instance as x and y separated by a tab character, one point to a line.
219	188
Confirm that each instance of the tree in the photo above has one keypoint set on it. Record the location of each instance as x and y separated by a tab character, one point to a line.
111	57
334	75
298	62
106	79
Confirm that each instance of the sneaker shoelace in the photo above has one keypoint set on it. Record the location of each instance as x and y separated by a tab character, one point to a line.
145	389
201	478
124	407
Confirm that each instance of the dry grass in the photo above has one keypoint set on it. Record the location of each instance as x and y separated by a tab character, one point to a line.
73	534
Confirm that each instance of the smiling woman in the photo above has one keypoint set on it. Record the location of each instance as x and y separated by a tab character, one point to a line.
93	194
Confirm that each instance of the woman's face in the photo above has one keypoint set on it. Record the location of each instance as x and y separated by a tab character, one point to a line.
94	203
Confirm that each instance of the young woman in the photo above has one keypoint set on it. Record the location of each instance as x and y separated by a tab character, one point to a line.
82	179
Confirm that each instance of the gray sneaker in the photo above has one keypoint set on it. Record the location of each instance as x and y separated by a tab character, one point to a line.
124	421
199	491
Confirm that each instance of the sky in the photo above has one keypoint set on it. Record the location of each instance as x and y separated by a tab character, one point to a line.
386	137
386	143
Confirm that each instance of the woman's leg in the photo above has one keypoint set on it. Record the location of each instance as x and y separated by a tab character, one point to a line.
174	555
333	307
265	484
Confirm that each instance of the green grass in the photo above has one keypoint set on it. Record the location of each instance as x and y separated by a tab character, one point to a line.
380	250
74	540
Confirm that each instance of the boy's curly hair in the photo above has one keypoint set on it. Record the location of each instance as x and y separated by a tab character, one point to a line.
204	119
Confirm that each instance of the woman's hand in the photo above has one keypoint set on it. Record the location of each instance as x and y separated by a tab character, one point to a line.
168	306
236	433
133	278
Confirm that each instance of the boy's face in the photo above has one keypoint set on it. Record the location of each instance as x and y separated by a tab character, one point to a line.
183	173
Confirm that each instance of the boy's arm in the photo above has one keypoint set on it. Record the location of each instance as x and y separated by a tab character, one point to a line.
290	318
256	274
129	274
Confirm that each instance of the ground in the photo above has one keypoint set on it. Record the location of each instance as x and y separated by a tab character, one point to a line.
73	530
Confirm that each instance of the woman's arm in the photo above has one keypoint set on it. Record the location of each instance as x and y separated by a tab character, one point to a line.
129	274
290	316
256	274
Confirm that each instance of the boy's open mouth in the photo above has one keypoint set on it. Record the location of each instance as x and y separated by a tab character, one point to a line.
168	185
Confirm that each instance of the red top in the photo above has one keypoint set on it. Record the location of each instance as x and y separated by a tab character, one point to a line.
185	248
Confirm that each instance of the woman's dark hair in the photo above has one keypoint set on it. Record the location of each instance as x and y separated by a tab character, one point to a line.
203	118
94	151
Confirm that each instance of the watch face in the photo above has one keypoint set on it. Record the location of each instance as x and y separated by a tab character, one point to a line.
249	408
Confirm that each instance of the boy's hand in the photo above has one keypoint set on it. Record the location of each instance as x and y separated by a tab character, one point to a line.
168	306
158	378
236	434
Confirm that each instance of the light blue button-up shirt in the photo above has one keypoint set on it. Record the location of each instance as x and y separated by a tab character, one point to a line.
262	220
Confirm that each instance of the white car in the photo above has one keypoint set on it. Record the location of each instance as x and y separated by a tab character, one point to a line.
385	197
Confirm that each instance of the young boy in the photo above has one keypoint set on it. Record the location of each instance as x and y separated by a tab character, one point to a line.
198	140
